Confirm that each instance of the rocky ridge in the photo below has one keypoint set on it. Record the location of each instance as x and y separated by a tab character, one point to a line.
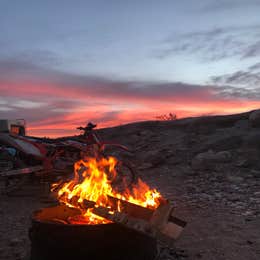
208	167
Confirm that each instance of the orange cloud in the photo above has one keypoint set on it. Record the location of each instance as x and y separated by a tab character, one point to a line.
55	108
68	123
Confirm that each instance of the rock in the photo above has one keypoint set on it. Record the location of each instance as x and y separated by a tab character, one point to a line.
218	195
223	156
257	193
145	133
249	156
255	173
248	213
254	118
234	197
2	250
15	242
243	163
208	160
235	179
156	157
144	166
222	142
242	124
252	140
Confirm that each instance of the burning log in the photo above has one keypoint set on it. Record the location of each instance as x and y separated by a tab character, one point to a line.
133	210
168	226
159	223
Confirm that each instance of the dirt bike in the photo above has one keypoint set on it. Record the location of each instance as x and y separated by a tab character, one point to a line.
24	157
54	157
95	147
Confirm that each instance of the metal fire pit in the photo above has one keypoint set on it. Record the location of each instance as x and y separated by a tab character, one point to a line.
51	240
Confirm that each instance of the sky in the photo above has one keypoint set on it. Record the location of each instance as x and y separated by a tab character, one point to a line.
64	63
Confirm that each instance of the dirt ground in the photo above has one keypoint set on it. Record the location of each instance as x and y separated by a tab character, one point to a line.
214	230
221	202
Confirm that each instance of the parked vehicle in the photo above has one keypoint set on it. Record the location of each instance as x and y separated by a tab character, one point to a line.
21	154
17	126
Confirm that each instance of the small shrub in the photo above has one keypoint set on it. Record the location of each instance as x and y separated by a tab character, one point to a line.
167	117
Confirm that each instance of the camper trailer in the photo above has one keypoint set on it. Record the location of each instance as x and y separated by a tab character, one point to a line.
17	126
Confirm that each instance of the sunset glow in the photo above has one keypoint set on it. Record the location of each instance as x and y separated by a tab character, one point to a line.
123	65
58	110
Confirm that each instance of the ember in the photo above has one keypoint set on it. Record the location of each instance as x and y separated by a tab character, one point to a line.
94	184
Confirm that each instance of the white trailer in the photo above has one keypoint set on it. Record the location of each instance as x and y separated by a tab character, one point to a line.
16	126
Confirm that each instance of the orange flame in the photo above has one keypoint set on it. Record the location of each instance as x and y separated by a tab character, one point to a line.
93	181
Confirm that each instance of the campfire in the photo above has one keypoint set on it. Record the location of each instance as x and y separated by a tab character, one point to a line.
95	185
103	216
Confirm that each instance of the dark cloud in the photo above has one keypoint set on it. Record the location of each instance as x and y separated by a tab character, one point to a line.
32	115
216	44
254	67
253	50
237	93
30	75
26	65
46	96
64	91
226	5
239	78
248	78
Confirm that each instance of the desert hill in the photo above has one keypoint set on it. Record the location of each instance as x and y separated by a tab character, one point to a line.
208	167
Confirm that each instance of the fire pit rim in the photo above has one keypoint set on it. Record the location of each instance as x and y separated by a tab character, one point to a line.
49	240
36	218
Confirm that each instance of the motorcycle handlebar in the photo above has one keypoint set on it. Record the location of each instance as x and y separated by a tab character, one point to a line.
80	128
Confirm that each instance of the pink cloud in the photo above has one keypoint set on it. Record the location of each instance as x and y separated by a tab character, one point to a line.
56	105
